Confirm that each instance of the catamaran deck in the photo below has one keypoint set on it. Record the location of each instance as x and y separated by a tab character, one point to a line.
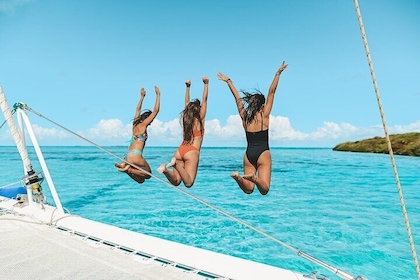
72	247
30	251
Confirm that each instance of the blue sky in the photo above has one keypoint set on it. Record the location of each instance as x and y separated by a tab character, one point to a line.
82	64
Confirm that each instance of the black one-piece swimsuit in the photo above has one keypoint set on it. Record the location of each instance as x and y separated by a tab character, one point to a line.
257	144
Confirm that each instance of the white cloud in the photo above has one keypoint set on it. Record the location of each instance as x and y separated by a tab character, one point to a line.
232	129
112	129
49	133
281	129
115	132
406	128
41	134
332	130
170	130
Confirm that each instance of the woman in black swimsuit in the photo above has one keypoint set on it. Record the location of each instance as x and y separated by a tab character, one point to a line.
255	115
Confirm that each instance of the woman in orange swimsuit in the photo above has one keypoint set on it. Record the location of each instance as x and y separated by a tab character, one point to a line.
135	165
186	157
255	120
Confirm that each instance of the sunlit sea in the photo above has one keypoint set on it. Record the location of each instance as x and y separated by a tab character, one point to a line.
341	208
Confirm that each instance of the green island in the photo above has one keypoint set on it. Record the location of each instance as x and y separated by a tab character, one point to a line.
407	144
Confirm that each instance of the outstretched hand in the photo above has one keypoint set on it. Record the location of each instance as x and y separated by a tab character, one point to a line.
157	90
222	77
142	92
188	83
205	80
282	67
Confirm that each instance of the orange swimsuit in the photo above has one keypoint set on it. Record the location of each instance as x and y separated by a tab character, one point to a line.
198	133
186	147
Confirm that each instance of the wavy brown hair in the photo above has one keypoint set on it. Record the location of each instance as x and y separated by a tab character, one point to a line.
190	113
252	104
141	117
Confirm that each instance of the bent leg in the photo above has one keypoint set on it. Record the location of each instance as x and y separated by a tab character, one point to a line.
136	167
188	170
139	172
263	179
141	168
137	178
241	182
173	176
245	185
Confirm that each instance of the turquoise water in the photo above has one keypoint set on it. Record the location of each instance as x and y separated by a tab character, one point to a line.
341	208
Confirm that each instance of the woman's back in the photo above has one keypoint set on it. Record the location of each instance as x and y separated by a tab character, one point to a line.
259	123
139	137
197	134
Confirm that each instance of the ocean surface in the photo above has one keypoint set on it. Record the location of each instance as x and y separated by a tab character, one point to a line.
341	208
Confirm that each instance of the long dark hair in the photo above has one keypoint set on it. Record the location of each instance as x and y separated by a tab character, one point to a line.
141	117
190	113
252	104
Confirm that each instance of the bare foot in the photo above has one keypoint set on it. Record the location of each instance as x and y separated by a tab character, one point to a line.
250	177
161	168
123	167
235	175
171	163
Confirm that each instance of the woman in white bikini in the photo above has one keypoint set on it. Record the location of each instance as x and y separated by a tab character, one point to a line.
134	154
186	157
255	114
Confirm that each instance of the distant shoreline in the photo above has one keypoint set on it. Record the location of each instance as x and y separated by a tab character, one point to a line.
407	144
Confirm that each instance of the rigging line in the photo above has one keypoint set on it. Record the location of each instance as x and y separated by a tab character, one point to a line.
3	124
388	141
5	121
11	184
338	272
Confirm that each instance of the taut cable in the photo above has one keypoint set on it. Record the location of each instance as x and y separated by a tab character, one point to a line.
388	141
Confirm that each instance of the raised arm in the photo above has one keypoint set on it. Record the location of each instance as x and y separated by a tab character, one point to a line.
235	93
187	92
155	111
204	98
272	90
138	108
